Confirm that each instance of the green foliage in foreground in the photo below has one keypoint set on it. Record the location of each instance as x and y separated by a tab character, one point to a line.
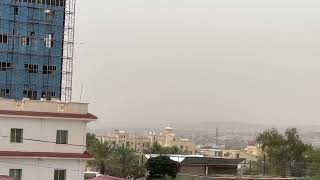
118	161
156	148
284	154
162	165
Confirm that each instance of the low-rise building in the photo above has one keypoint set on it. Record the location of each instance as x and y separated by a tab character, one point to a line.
141	143
43	139
178	158
250	153
214	153
136	143
210	166
169	139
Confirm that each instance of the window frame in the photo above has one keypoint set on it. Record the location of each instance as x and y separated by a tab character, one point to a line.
57	173
15	10
49	40
59	137
12	173
5	65
32	68
25	41
13	135
31	94
4	92
4	39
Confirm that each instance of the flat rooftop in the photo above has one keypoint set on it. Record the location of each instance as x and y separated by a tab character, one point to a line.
45	108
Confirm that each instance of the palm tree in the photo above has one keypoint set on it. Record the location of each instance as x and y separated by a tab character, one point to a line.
125	158
102	153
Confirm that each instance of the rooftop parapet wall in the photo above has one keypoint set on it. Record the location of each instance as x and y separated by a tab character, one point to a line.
43	106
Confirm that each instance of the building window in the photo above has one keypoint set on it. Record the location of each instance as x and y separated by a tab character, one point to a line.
4	92
30	94
62	137
60	174
49	14
4	38
33	68
32	38
48	95
16	135
4	66
16	10
49	69
49	40
16	174
25	41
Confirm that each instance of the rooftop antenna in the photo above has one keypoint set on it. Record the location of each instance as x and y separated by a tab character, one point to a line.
81	92
217	136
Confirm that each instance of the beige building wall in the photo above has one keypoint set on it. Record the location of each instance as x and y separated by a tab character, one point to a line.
169	139
250	153
38	155
141	143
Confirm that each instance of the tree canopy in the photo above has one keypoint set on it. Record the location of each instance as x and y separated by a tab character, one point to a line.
156	148
284	152
162	165
118	161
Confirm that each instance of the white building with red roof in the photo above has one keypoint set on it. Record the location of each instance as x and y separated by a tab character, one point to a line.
43	139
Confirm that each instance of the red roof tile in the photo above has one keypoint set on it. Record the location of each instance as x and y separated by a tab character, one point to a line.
5	177
84	155
87	116
104	177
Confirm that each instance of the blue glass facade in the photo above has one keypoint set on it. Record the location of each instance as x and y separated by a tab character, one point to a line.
31	48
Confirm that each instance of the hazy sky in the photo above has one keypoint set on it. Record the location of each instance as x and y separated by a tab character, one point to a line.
174	61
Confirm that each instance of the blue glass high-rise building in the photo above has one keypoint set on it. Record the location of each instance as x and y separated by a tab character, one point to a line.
35	57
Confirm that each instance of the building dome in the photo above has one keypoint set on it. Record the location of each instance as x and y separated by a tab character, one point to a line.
168	128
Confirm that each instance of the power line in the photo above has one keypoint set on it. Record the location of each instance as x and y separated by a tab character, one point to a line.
45	141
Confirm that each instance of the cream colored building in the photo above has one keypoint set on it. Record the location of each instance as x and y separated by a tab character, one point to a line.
250	153
42	139
213	153
141	143
169	139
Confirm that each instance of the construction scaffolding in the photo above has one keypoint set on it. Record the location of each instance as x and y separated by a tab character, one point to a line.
38	33
68	50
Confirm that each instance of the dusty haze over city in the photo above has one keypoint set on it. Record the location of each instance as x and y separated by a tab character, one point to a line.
159	62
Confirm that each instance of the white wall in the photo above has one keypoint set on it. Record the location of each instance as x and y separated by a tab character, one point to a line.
42	129
43	169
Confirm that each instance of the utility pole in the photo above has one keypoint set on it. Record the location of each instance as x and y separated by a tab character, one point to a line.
264	164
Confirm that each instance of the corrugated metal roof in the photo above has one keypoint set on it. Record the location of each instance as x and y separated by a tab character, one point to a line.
2	177
211	161
174	157
104	177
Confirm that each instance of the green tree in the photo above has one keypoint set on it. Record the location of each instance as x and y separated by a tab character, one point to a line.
284	153
156	148
125	159
102	152
137	168
90	140
313	164
161	165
